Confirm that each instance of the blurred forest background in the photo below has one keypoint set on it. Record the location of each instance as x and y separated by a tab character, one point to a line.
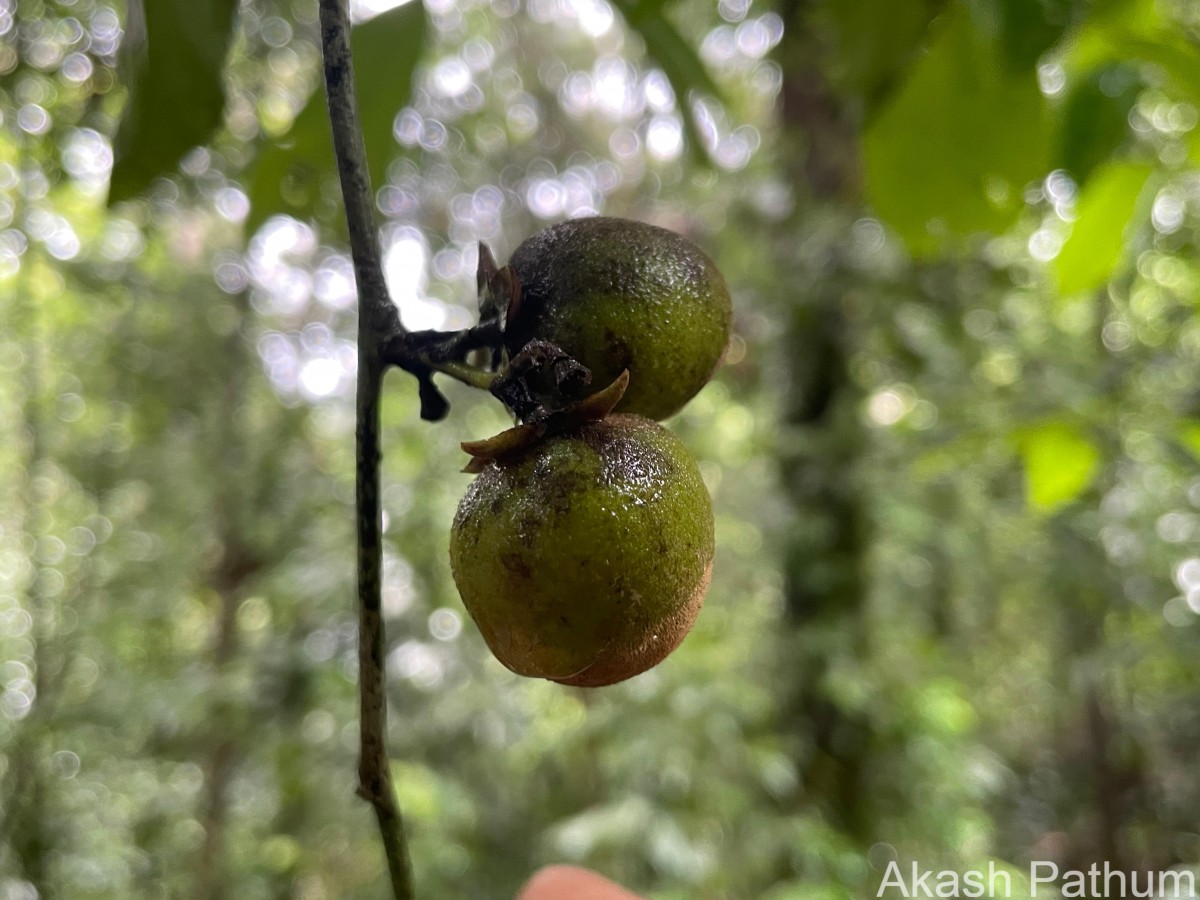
954	452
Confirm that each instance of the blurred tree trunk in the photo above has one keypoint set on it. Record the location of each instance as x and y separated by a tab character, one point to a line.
826	543
229	580
1108	813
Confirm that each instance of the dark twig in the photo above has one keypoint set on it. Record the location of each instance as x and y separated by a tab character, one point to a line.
375	306
438	346
378	321
424	352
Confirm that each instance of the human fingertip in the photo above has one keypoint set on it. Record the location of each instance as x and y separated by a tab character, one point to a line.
560	882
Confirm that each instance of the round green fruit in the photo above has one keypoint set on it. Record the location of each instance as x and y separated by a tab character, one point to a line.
617	294
585	558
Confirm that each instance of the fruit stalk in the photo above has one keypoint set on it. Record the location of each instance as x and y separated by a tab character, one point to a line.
377	322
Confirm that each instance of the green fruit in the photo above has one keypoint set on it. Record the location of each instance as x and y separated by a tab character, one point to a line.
617	294
585	558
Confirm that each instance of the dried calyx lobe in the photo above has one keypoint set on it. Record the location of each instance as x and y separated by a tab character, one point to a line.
540	377
515	441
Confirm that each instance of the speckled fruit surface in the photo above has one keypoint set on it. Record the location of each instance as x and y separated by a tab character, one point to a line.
618	294
585	560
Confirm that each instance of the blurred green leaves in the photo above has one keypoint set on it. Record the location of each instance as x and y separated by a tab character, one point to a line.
1173	56
173	56
287	176
1125	46
952	151
677	58
1060	462
1098	243
174	60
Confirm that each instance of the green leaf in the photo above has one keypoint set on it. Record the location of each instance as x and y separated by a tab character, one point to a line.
173	59
1096	44
1174	56
1095	118
1060	462
1189	436
1027	28
290	175
951	153
1097	244
875	41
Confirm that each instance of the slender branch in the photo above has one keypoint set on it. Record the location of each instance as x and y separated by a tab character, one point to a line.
375	306
377	322
374	771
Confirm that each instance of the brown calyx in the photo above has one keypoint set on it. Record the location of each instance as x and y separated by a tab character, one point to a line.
514	442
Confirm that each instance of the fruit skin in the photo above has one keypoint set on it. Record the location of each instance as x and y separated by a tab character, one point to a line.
585	560
617	294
